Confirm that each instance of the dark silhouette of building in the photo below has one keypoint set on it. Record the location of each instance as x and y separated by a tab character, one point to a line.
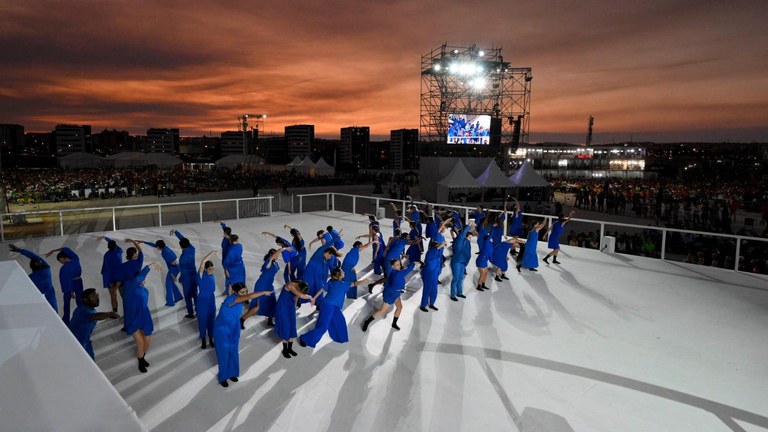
72	139
354	147
403	149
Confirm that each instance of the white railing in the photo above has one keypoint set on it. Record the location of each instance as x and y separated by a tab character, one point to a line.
52	215
331	205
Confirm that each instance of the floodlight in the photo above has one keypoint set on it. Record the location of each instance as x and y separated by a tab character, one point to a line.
481	53
437	67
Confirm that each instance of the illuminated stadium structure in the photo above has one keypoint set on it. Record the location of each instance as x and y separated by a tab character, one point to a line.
475	85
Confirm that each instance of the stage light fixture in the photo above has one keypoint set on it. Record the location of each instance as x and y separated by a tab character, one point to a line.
481	53
453	68
437	67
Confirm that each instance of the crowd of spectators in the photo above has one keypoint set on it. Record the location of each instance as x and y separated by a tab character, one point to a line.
54	185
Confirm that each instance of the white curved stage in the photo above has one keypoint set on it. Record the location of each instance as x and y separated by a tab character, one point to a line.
599	343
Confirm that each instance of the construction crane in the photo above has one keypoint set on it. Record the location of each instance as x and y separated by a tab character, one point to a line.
589	131
242	125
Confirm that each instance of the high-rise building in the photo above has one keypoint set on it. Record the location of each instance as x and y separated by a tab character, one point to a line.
11	139
354	147
39	144
162	140
232	142
403	153
299	140
73	139
109	142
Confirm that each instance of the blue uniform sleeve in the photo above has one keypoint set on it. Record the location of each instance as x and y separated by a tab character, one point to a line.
223	226
107	239
70	253
179	235
150	244
139	278
31	255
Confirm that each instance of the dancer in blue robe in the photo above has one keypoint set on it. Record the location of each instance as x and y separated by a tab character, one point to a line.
206	300
70	278
40	276
555	232
172	293
415	247
372	221
393	287
288	254
462	252
226	332
225	245
529	259
316	272
188	267
336	239
516	222
265	305
497	228
430	273
84	320
331	318
234	267
348	265
414	215
285	314
110	269
138	319
377	251
478	215
499	256
397	220
486	250
299	261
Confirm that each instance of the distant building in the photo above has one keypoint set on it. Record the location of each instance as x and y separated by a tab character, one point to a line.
73	139
275	149
575	161
232	142
162	140
378	155
299	139
354	146
39	144
11	139
109	142
403	149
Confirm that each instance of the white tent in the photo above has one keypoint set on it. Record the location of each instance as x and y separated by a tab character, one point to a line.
492	177
322	168
233	161
458	178
305	166
162	160
83	160
526	176
295	162
128	159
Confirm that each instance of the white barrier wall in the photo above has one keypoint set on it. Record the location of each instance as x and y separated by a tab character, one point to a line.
47	380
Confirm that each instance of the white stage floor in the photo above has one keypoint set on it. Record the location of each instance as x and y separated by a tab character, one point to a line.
599	343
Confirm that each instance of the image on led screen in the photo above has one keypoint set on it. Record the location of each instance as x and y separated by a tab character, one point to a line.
469	129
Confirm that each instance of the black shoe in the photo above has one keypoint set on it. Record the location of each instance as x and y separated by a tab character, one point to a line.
301	342
433	307
370	288
203	345
395	326
291	351
546	258
270	322
518	268
503	276
498	278
114	309
242	324
234	379
144	362
142	368
461	296
224	383
285	352
367	323
480	288
210	342
532	270
423	309
454	299
485	287
556	261
189	316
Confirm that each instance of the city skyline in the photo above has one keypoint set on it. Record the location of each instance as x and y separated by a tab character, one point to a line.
657	71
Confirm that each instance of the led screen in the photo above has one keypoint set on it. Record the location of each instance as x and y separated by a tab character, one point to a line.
469	129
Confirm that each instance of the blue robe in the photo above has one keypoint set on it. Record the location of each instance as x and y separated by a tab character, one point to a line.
430	273
70	278
395	284
189	275
497	232
234	264
82	327
265	283
530	259
225	245
377	254
554	236
316	274
42	279
110	266
206	304
172	293
285	315
299	262
462	250
226	335
486	250
499	256
336	240
414	250
330	319
348	266
395	251
136	300
516	224
288	256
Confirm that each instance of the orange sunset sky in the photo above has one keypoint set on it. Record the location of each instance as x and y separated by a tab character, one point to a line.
660	70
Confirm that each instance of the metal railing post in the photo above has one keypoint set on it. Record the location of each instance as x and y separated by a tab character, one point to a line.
376	210
738	253
237	209
663	244
333	202
405	211
506	217
114	220
61	222
201	211
293	210
354	210
301	204
160	214
270	206
2	229
602	231
466	215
